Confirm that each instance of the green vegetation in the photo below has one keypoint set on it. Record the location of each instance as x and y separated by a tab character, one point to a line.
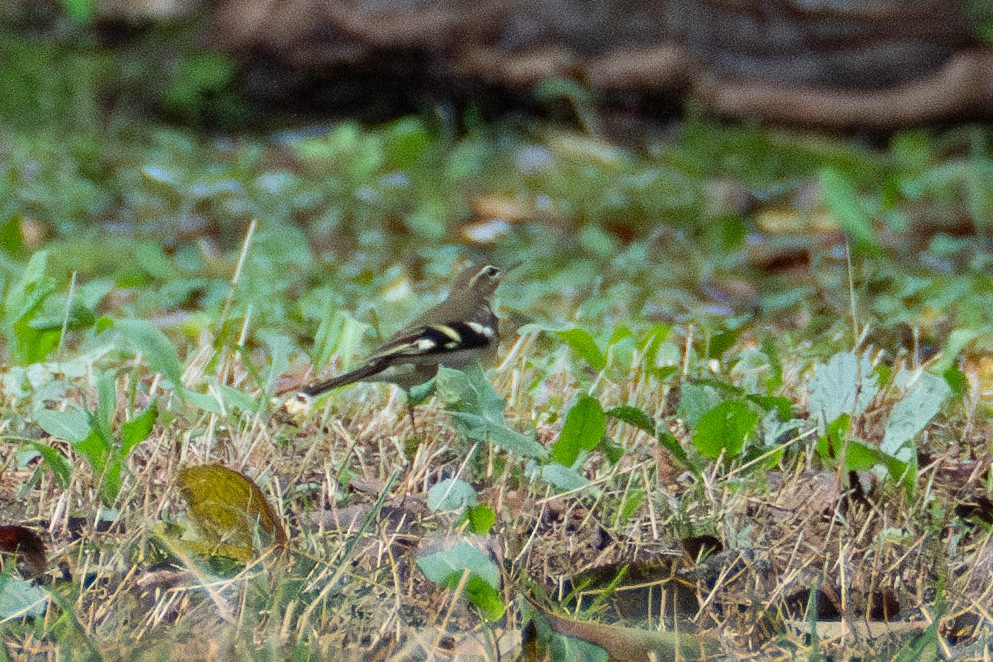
695	361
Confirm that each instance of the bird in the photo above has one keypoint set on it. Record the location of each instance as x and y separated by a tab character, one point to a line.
461	329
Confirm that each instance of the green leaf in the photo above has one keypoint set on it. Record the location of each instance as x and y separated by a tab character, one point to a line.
633	416
844	385
203	401
24	301
562	647
583	344
862	457
722	342
339	333
782	406
477	427
848	211
70	425
446	567
19	597
725	428
451	494
486	598
829	444
958	340
80	11
468	390
95	450
56	461
136	430
922	401
564	479
957	381
671	444
695	400
584	427
103	417
631	505
651	341
232	397
148	339
111	484
481	519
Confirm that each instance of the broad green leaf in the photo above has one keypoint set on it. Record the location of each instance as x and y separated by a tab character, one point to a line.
456	391
11	237
26	295
468	390
279	348
583	344
95	450
445	568
722	342
914	411
136	430
725	428
487	599
584	427
24	301
204	401
451	494
848	210
19	597
71	425
782	406
477	427
563	647
232	397
564	479
695	400
651	341
862	457
79	317
148	339
844	385
481	519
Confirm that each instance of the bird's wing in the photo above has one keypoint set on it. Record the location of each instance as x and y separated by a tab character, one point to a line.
432	339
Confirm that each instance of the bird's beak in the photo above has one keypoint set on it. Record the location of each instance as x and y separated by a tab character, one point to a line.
511	267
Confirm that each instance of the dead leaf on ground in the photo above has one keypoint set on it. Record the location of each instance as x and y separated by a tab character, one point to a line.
229	509
21	541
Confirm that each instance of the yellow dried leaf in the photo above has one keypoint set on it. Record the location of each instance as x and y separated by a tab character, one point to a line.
230	510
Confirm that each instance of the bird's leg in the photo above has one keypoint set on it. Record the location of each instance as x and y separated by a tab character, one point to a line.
414	441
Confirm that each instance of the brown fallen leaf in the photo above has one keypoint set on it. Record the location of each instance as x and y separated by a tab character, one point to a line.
23	542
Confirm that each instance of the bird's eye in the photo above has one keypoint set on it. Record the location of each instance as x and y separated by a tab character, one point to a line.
491	272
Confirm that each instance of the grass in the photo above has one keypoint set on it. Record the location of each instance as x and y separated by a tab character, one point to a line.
709	419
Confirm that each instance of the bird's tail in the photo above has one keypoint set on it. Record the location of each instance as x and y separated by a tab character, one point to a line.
357	375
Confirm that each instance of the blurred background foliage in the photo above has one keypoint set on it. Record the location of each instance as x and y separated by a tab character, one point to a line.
127	151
